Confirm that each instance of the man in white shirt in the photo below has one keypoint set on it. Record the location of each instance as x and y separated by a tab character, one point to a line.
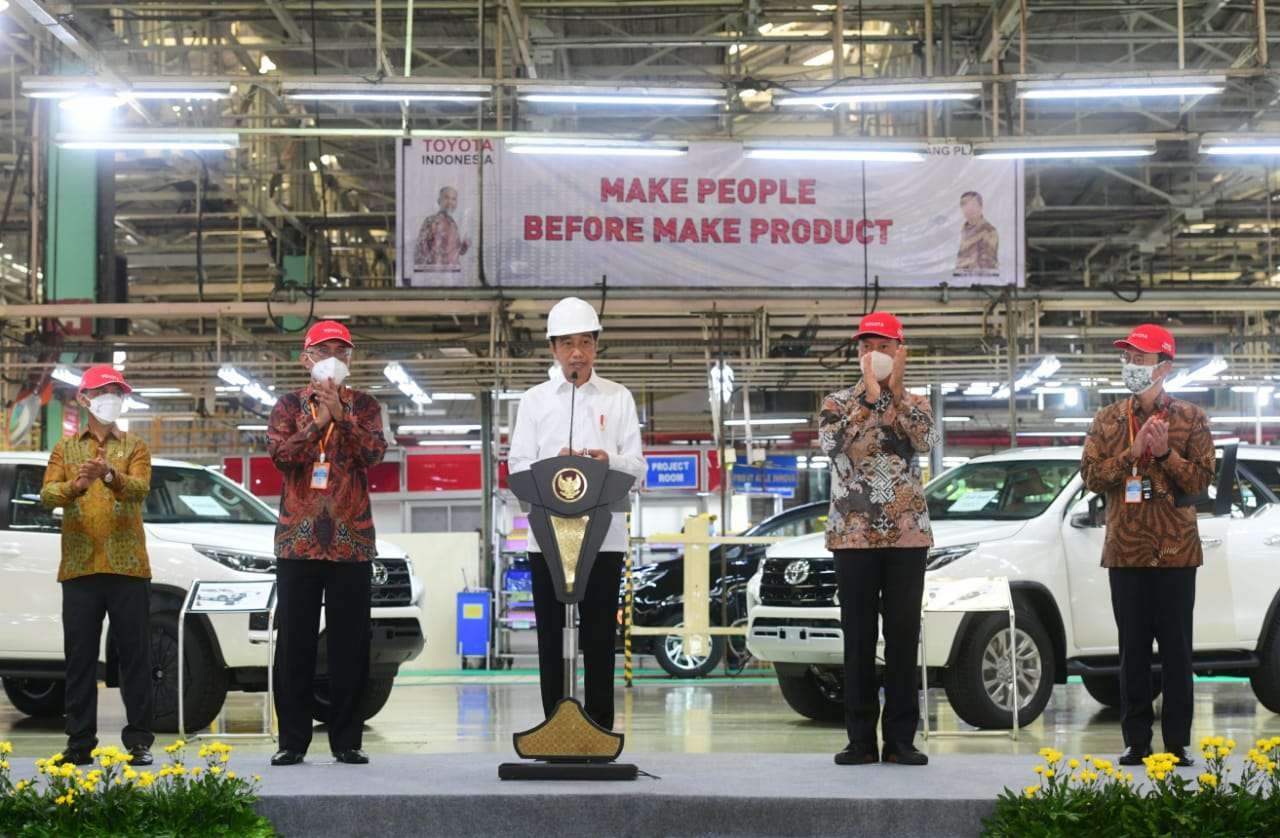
605	428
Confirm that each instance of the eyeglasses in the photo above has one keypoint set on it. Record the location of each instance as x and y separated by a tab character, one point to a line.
322	352
1142	359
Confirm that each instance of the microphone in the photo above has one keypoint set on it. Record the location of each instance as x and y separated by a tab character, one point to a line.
573	397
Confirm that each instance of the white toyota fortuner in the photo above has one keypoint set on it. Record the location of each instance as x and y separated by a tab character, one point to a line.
200	526
1025	514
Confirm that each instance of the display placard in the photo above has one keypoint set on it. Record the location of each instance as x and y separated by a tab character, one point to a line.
231	597
671	471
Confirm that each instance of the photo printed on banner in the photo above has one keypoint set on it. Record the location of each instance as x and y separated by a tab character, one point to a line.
438	188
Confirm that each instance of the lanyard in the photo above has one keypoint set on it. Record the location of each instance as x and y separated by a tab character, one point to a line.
328	432
1162	410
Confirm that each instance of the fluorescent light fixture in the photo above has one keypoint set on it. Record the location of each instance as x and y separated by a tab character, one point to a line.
1052	434
398	376
739	423
604	148
957	419
1240	145
716	387
702	97
247	385
339	90
845	152
871	94
148	141
233	376
1208	371
1047	367
160	391
453	397
131	403
1263	395
118	361
251	427
66	375
68	87
447	443
1073	420
1244	420
1065	151
256	391
1122	87
437	429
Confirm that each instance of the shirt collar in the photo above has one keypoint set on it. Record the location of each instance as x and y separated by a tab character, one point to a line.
113	431
593	382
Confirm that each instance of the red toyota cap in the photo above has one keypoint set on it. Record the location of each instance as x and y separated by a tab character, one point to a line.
101	376
327	330
881	324
1150	338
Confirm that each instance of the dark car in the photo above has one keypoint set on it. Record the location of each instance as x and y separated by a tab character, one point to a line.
658	592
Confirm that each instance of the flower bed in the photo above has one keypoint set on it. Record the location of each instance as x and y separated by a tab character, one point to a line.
111	797
1094	797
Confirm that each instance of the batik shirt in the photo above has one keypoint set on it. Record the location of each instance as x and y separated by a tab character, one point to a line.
102	528
877	499
336	523
1156	532
979	248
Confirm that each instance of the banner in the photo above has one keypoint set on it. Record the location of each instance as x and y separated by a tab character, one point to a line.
713	217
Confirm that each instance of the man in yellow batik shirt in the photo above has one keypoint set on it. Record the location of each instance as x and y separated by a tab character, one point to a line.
101	477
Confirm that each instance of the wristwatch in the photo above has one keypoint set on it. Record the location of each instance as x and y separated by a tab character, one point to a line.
109	476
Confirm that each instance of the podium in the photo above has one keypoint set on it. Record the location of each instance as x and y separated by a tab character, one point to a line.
571	503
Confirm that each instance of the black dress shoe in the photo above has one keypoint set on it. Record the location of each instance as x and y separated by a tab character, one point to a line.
352	756
1134	754
141	755
287	757
904	754
1184	759
77	756
858	755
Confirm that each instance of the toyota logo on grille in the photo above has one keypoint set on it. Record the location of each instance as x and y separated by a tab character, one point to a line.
796	572
380	574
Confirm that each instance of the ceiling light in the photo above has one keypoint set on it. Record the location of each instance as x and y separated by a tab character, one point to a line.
1240	145
66	375
642	96
1244	420
398	376
577	148
957	419
992	151
858	94
251	427
338	90
1074	420
902	153
146	141
1121	88
453	397
739	423
247	385
1207	371
437	429
1052	434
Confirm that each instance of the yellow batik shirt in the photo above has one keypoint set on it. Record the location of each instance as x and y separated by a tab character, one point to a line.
102	528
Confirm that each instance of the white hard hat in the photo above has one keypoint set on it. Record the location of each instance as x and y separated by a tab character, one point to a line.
571	316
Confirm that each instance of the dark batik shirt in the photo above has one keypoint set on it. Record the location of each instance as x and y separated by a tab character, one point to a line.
1156	532
335	524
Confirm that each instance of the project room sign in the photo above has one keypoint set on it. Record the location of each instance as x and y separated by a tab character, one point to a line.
712	217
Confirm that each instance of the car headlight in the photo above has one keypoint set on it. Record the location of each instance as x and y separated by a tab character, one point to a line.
942	556
753	588
238	560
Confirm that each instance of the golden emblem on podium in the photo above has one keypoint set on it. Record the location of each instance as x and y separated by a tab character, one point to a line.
569	485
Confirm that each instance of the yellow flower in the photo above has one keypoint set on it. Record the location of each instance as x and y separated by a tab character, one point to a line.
1160	775
1219	741
56	757
1224	752
1231	743
1039	769
257	778
1088	757
1209	781
67	770
130	774
225	758
62	799
195	771
215	770
1049	773
1030	791
1208	753
6	747
4	764
231	775
21	784
1073	764
106	762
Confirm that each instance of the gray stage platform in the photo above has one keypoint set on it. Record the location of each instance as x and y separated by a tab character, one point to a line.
697	795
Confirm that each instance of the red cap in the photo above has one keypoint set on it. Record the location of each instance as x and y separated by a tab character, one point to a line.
881	324
1151	339
101	376
327	330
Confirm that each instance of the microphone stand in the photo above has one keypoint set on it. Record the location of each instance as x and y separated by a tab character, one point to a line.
569	638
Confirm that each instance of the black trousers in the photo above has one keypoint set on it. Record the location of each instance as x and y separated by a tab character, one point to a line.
597	632
126	600
1155	604
880	584
344	587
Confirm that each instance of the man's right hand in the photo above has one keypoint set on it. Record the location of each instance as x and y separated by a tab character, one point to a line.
322	416
869	382
1141	441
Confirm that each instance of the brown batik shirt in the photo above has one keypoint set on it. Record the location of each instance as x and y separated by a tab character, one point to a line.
877	499
1155	532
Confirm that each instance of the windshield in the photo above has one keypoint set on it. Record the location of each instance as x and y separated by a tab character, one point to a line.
1012	490
192	495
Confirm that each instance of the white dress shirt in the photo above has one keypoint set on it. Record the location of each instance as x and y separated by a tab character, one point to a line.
604	418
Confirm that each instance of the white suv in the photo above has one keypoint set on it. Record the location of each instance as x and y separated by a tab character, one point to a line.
199	525
1025	514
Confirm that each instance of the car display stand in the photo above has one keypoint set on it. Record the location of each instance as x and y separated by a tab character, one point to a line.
239	597
969	595
571	500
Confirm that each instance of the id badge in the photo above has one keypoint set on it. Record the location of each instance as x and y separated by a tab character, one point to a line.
1133	490
320	476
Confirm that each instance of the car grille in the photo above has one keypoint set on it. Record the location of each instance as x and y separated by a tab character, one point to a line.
397	590
816	590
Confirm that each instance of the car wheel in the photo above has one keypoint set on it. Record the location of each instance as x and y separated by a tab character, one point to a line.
979	685
1265	680
374	698
673	657
37	697
204	680
1105	689
814	695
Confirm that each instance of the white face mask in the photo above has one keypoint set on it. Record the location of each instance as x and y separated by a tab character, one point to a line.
329	368
881	365
1137	378
106	408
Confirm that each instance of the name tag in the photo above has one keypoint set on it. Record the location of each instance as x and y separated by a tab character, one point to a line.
1133	490
320	476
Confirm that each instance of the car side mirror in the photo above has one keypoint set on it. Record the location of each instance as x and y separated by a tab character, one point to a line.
1093	516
